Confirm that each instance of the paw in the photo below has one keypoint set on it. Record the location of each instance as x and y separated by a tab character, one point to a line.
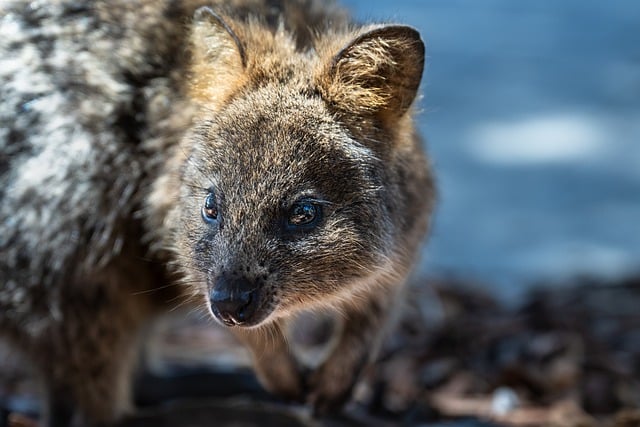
280	375
330	388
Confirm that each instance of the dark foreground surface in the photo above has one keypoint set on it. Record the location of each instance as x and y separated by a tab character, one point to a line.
567	357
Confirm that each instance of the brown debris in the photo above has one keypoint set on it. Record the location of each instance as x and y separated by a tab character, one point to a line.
568	357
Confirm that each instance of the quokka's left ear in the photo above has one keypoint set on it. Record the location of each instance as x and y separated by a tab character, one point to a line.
218	58
377	72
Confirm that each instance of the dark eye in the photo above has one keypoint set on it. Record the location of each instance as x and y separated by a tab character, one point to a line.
210	208
304	214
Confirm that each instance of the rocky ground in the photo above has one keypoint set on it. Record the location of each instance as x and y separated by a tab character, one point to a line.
569	356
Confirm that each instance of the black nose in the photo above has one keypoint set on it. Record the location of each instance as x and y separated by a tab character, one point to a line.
234	300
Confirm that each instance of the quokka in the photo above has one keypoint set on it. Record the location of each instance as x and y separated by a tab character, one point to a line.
258	157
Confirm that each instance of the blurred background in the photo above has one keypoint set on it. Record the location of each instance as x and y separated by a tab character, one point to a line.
531	112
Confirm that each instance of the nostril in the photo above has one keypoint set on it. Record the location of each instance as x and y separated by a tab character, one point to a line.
241	315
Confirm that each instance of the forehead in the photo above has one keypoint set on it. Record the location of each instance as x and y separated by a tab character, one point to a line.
280	140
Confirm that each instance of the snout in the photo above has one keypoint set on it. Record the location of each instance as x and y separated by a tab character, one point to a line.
235	301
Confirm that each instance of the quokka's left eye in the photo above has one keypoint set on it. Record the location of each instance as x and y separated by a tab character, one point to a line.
210	208
304	214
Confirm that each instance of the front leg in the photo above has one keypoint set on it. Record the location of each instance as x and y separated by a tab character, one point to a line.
273	363
332	383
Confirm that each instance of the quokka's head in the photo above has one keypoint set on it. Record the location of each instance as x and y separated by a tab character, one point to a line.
290	193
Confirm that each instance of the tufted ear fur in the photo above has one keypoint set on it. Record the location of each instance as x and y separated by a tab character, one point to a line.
377	72
218	58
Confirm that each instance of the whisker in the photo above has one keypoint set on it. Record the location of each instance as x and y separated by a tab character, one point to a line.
152	290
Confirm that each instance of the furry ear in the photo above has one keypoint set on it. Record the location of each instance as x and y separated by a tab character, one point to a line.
218	58
377	72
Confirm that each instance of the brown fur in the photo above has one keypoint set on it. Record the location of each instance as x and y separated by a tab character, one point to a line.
261	104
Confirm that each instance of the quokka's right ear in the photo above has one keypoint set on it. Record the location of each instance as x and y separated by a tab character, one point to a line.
377	72
218	58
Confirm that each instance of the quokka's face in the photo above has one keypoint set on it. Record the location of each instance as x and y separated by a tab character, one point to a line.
280	208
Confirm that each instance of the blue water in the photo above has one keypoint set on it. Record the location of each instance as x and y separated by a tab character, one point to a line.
532	115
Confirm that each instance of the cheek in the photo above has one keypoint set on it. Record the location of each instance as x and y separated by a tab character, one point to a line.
336	254
348	240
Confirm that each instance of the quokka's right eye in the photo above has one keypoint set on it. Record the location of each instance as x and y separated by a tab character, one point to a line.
210	208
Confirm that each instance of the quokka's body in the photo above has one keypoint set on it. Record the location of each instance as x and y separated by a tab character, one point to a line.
259	155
